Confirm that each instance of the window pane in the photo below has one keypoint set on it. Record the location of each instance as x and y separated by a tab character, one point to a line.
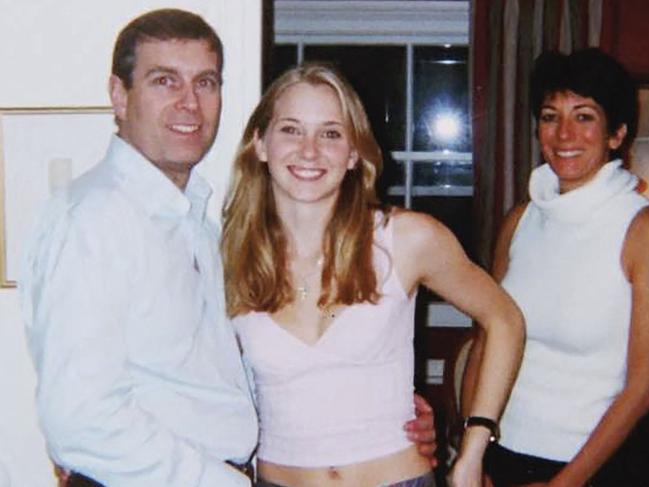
440	98
443	174
378	74
282	57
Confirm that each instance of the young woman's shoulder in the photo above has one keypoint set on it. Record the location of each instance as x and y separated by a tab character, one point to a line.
419	237
413	229
424	248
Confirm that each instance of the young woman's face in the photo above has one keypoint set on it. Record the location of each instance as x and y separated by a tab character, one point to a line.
574	139
307	145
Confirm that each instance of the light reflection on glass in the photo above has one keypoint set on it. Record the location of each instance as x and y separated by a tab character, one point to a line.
444	126
440	99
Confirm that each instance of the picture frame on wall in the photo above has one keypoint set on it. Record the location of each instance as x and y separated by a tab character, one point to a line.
41	151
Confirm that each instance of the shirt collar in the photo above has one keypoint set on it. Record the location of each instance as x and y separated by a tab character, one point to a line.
152	189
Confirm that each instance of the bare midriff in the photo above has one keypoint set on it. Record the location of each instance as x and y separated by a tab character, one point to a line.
390	469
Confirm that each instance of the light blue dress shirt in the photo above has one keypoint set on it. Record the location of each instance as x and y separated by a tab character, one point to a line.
140	377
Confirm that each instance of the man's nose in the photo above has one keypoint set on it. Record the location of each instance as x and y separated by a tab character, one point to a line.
188	98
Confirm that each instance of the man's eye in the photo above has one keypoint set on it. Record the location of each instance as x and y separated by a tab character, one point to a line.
208	83
289	129
162	81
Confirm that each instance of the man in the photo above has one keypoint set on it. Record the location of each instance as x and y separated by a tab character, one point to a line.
140	378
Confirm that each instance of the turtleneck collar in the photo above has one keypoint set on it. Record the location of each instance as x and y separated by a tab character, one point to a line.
578	204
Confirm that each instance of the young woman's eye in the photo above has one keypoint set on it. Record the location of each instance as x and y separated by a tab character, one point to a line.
332	134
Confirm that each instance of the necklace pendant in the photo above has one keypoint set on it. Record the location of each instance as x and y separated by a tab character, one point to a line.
302	292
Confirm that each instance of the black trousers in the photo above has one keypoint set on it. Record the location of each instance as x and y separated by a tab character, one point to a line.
506	467
628	467
78	480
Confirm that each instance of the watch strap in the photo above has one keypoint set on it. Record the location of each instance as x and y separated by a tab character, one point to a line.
488	423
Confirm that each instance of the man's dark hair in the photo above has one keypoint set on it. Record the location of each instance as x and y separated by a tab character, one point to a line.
160	25
592	74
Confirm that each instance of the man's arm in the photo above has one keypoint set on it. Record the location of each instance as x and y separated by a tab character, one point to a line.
421	430
76	301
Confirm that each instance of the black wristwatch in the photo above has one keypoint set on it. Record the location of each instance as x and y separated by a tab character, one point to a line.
490	424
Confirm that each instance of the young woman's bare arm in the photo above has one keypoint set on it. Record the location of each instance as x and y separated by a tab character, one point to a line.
498	271
427	253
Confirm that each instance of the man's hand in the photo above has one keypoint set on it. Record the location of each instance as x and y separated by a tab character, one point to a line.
62	475
421	430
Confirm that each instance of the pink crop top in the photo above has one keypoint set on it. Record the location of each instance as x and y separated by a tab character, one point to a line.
345	399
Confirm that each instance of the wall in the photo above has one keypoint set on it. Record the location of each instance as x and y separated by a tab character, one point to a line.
624	34
58	54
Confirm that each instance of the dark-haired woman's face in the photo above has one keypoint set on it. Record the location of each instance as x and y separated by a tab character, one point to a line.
574	138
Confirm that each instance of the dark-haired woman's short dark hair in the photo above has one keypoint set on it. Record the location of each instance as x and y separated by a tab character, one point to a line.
592	74
160	25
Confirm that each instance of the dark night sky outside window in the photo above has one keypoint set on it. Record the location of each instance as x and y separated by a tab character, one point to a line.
438	146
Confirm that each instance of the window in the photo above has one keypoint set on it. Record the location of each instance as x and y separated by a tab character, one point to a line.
408	60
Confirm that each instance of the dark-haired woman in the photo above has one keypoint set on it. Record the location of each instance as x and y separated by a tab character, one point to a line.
575	260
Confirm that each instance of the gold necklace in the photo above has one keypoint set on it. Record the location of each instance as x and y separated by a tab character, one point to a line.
302	290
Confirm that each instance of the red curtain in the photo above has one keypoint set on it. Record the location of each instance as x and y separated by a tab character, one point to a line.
625	34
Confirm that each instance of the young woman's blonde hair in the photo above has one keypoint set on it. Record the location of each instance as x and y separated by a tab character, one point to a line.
254	245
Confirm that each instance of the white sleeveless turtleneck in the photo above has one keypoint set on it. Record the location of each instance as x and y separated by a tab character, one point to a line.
566	275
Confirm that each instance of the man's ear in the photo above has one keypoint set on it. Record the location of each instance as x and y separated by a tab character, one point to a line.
118	96
260	147
615	140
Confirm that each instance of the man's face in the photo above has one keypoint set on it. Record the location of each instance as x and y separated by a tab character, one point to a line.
171	112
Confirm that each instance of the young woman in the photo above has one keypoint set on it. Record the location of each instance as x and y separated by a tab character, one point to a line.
321	282
575	261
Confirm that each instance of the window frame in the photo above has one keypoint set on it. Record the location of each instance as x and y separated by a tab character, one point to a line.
405	23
